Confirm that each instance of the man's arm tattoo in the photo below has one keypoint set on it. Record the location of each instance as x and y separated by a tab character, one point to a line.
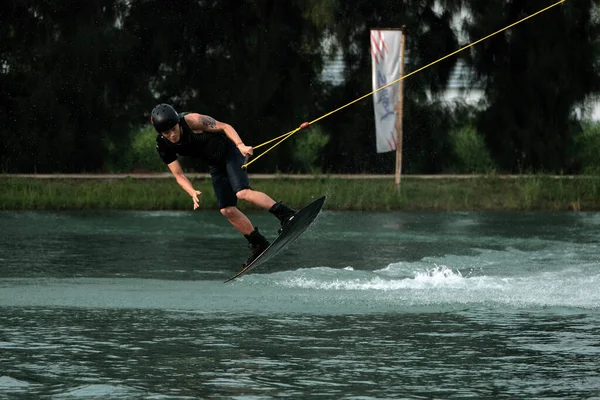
209	121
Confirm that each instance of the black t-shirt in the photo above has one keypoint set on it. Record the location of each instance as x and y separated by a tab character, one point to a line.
208	146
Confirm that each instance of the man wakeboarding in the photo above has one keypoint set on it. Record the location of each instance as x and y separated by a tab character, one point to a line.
220	146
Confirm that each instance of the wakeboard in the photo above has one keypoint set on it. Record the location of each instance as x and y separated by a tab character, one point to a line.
290	232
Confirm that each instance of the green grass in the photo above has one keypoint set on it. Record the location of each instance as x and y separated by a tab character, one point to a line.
487	193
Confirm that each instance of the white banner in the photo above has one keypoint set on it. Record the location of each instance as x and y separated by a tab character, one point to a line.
385	57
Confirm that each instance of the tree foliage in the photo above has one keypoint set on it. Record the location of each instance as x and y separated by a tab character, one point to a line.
534	75
79	79
65	84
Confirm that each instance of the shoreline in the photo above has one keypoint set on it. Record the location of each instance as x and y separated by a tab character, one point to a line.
143	191
198	175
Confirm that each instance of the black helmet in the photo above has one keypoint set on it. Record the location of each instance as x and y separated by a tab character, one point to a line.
164	117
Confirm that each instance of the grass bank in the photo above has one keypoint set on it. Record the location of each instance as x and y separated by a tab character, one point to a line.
484	193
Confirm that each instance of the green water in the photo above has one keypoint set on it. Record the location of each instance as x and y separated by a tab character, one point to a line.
364	305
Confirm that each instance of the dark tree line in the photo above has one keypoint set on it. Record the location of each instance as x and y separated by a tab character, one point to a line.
534	75
78	79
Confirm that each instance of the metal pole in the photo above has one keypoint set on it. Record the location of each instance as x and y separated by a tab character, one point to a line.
399	111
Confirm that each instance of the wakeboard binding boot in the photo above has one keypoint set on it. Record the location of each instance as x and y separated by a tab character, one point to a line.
283	213
257	244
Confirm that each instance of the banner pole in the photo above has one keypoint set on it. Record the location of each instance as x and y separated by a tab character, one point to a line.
399	112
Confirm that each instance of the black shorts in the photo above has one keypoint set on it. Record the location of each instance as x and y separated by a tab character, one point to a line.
229	178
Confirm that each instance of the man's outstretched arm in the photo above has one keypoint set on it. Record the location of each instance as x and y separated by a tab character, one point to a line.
184	182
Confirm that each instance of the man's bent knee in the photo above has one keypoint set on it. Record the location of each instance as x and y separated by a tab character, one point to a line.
228	212
243	194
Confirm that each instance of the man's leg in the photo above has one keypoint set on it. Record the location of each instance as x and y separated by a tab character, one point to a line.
283	213
257	242
240	184
257	198
238	219
227	202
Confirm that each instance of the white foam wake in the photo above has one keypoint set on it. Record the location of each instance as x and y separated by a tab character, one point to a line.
440	284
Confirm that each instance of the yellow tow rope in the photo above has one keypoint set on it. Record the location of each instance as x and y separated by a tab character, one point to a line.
306	124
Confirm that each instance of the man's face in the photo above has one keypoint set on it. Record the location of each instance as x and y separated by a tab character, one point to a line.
172	135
